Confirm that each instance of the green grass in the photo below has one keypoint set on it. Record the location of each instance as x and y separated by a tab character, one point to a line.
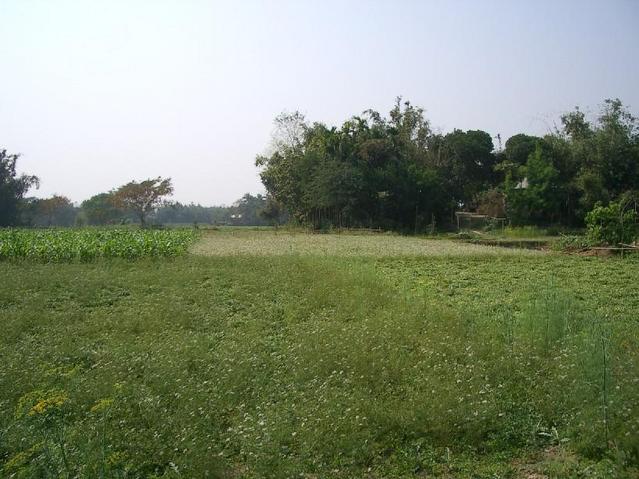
321	364
87	244
523	232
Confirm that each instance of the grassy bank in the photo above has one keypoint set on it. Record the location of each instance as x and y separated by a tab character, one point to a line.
280	365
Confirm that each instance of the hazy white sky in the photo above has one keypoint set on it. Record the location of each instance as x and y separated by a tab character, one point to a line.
97	93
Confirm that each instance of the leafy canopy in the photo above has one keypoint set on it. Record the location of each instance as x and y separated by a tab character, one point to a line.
13	187
142	198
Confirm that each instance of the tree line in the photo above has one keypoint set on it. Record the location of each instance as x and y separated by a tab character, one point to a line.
141	202
393	173
397	173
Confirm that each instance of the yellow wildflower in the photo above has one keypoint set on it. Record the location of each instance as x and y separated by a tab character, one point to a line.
40	402
46	404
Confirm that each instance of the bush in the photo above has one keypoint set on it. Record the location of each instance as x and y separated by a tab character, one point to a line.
572	243
612	224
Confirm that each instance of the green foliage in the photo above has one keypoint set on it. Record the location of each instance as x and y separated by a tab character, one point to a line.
179	213
247	211
370	172
53	211
467	161
395	173
142	198
273	212
62	245
571	243
612	224
558	178
537	198
101	210
519	147
606	152
296	366
559	332
12	188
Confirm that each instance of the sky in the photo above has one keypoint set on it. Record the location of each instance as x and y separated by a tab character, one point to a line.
95	94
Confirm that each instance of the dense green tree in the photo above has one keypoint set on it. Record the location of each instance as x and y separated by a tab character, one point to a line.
467	163
247	210
606	153
537	199
576	126
519	147
515	155
566	173
178	213
57	210
13	187
273	212
372	171
101	210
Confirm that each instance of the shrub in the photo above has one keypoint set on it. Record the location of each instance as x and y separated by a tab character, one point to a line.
572	243
612	224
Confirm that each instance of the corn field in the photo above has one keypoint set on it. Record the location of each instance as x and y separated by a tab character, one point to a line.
57	245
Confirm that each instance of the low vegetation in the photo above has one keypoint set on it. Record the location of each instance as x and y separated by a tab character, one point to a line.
613	224
56	245
230	242
481	363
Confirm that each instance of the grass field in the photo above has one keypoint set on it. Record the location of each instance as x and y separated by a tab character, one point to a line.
231	242
289	355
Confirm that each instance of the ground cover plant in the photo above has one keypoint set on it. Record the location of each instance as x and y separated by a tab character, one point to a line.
87	244
321	364
237	241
